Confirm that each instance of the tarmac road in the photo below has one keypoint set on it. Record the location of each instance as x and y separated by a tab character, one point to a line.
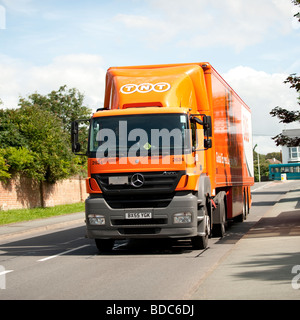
52	259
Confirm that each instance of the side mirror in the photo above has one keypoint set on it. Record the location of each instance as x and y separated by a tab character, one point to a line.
207	143
74	137
207	126
76	146
197	120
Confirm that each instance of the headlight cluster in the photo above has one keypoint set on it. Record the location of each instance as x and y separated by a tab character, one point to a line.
183	217
96	219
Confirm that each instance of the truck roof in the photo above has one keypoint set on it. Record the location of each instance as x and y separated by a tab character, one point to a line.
180	85
133	111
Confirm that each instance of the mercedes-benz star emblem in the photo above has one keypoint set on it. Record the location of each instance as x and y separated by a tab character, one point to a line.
137	180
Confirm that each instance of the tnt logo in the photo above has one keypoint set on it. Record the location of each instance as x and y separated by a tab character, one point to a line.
2	18
145	88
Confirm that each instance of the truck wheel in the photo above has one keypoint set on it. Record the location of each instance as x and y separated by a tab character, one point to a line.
201	242
218	229
245	209
243	215
104	245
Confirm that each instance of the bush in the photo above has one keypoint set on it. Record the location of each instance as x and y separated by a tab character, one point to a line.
36	137
4	174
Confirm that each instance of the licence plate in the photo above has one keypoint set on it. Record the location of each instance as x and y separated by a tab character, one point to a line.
138	215
118	180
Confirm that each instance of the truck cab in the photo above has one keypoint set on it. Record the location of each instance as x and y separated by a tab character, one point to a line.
152	158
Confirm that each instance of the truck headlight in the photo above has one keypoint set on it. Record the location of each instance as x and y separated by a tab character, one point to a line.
96	219
183	217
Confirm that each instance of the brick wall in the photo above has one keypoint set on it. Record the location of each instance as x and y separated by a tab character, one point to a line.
22	192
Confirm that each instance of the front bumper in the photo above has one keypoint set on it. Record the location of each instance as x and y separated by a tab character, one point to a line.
161	225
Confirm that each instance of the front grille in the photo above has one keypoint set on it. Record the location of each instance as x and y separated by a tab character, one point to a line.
138	222
139	201
154	182
139	230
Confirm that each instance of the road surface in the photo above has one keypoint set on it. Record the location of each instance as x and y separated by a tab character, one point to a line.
63	264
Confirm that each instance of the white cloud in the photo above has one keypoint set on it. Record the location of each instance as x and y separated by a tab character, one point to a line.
152	31
134	21
265	145
21	6
82	71
263	92
234	23
260	90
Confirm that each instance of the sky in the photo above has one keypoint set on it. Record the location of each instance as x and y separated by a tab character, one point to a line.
253	44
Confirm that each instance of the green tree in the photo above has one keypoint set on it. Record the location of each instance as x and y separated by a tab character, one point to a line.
263	166
10	135
284	115
20	160
35	138
297	3
4	167
66	104
272	155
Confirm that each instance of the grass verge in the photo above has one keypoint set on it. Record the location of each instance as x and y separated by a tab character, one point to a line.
19	215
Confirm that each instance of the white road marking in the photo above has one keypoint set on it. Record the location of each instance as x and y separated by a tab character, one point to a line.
264	186
62	253
5	272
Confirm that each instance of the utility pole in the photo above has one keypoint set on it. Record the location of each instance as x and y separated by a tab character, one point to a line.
258	166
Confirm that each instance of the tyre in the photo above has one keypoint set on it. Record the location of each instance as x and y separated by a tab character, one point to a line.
104	245
243	215
200	242
245	211
218	229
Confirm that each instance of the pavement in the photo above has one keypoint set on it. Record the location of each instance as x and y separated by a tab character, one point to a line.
265	261
28	228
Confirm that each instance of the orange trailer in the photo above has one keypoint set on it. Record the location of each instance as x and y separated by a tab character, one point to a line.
169	156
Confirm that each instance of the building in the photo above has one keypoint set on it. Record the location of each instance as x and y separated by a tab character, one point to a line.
273	161
291	154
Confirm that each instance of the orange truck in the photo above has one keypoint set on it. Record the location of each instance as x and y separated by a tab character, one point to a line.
169	155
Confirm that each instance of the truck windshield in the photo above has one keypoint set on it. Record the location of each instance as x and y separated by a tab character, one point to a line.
139	135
